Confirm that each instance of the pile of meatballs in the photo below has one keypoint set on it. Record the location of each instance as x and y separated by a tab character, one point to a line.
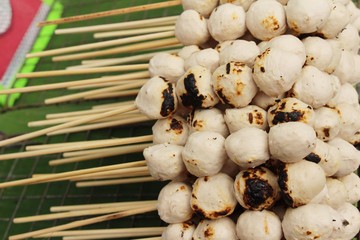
258	121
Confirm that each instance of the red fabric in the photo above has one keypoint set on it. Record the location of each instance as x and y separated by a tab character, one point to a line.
23	13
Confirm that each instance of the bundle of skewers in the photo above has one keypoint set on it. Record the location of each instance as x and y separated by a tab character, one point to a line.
257	121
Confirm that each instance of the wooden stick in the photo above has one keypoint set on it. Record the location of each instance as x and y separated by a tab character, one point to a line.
114	61
126	93
128	231
46	87
118	26
63	120
97	85
117	123
79	213
64	126
117	50
71	97
85	222
109	153
120	173
75	147
83	71
152	238
144	173
115	182
91	46
137	31
97	205
113	236
104	108
111	13
43	179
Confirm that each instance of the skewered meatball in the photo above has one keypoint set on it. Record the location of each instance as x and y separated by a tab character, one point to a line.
172	130
218	229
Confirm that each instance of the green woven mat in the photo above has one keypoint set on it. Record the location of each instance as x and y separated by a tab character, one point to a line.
37	199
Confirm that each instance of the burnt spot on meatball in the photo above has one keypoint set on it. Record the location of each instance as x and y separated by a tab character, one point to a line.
283	180
282	117
209	232
168	104
312	157
257	192
192	97
228	68
176	126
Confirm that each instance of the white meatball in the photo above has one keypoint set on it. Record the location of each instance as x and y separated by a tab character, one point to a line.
221	46
156	98
349	39
213	197
233	84
201	149
264	101
351	222
290	110
255	225
327	123
292	141
266	19
289	43
345	68
275	71
256	188
179	231
174	203
315	87
250	116
244	3
350	157
337	193
352	186
336	49
312	221
208	58
338	19
307	16
208	120
186	51
240	51
194	88
165	162
300	182
172	130
248	147
201	6
191	28
167	65
346	94
219	229
332	165
319	52
349	120
356	76
227	22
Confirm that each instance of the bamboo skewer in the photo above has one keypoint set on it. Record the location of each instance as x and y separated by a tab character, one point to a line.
45	87
114	61
117	173
89	233
96	85
47	122
75	147
117	50
152	238
116	123
101	154
144	173
108	105
109	43
53	177
83	71
122	33
119	26
78	213
113	236
111	13
126	93
85	222
97	205
80	95
115	182
64	126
